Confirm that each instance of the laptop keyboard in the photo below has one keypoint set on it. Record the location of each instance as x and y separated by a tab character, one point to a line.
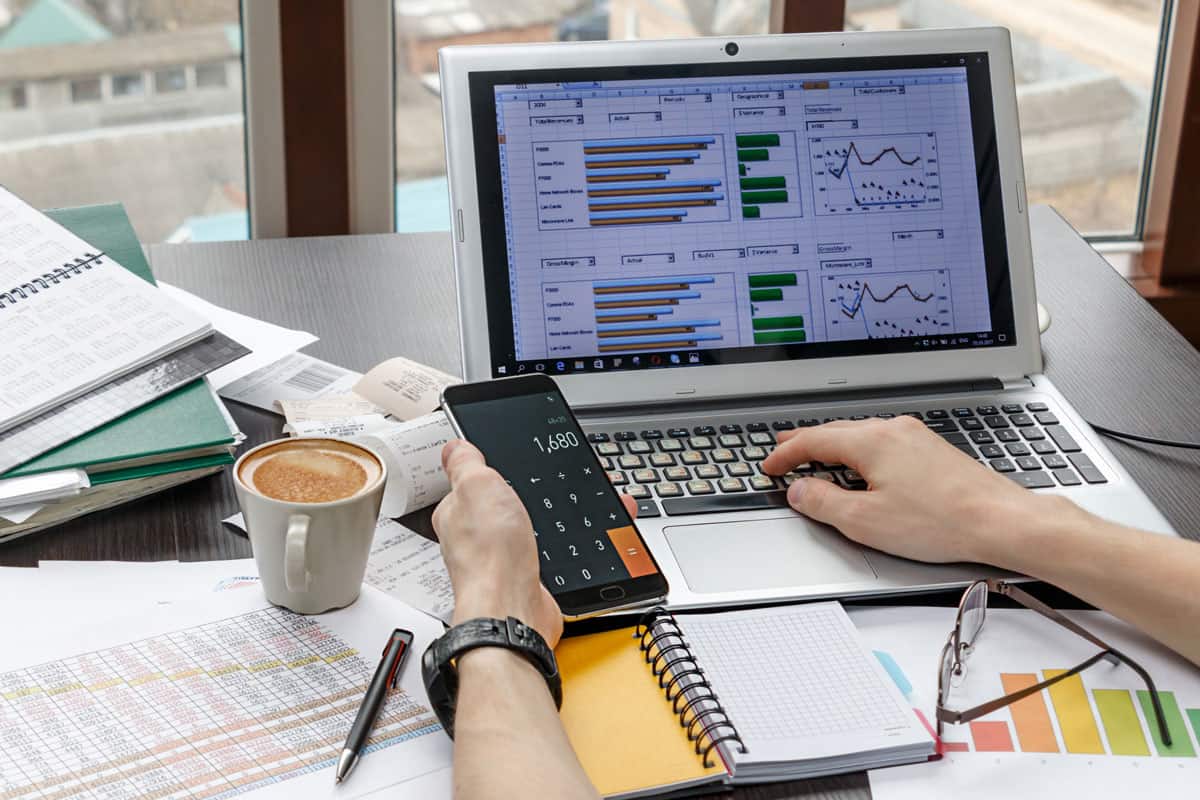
707	469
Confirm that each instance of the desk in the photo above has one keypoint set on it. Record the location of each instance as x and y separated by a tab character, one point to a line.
372	297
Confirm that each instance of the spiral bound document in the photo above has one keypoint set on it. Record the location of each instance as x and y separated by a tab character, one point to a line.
72	319
680	702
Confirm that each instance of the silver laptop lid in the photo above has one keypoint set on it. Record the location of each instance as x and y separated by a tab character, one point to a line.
656	220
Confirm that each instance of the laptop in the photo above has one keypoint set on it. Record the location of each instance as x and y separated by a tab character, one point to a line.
710	241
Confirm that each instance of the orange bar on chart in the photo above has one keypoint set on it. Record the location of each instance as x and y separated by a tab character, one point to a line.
991	737
1075	719
1030	717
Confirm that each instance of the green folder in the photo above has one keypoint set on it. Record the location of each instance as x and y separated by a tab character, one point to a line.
185	421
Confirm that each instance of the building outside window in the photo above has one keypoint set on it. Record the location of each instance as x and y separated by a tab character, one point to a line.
127	84
113	74
170	80
1086	74
85	90
209	76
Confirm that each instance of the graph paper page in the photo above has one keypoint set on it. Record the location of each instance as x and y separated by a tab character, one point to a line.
798	683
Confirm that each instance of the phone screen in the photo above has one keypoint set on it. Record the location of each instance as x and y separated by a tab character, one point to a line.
590	552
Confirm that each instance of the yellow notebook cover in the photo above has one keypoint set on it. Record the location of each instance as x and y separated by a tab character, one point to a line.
619	720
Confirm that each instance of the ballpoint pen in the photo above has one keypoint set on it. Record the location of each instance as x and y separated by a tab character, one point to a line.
387	675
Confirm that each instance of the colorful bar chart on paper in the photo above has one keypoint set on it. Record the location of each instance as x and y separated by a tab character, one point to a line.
768	175
631	181
1069	718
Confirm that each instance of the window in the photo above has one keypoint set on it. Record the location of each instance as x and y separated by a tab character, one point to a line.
210	76
111	77
423	26
13	98
1087	75
85	90
170	80
129	83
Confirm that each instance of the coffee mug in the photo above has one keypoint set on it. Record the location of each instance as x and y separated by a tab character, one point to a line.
310	507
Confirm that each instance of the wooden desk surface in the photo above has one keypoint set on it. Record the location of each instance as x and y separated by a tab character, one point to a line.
371	297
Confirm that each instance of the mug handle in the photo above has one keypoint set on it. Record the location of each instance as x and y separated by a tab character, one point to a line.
295	556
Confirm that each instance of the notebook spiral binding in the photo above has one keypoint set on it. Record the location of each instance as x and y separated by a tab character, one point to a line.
51	278
681	678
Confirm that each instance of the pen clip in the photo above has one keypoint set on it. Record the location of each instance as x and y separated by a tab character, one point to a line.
403	638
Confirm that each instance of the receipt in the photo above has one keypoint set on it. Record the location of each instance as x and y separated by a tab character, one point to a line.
406	565
340	427
413	452
327	406
404	388
294	377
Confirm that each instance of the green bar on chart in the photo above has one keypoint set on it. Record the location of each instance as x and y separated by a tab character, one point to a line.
741	169
775	323
1121	722
765	295
1029	715
753	155
1181	740
769	196
765	279
991	736
758	140
750	212
1074	712
769	182
778	337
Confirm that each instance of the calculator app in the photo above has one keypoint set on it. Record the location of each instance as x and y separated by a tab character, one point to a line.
585	538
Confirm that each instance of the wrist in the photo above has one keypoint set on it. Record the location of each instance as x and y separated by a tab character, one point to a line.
1025	537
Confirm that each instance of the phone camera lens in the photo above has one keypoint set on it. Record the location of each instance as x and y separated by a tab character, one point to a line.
731	49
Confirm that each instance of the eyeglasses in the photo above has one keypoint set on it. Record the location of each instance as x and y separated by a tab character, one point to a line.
972	611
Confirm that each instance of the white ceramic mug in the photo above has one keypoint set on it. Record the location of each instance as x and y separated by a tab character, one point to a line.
311	557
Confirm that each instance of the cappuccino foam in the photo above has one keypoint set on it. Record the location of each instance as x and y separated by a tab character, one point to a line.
310	471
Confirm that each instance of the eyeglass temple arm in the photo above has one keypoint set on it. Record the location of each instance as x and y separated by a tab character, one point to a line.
945	715
1032	603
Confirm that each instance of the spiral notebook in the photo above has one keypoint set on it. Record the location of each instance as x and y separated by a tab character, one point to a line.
71	319
688	701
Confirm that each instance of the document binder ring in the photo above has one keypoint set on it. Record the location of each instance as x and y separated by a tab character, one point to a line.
660	636
51	278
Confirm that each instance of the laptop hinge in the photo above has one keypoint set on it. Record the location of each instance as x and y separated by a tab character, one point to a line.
967	386
1023	382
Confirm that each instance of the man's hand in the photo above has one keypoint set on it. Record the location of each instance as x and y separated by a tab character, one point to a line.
926	500
489	546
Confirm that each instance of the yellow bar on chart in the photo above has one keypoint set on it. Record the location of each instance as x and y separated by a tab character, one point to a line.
1121	722
1075	719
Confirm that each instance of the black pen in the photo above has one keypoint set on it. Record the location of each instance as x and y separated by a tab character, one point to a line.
387	675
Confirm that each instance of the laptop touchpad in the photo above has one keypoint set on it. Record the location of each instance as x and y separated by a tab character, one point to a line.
765	554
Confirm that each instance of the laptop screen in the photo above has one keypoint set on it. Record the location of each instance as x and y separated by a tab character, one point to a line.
643	217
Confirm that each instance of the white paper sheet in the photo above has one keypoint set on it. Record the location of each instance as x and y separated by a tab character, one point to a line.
413	452
65	330
18	514
330	406
294	377
268	342
275	693
340	427
1022	642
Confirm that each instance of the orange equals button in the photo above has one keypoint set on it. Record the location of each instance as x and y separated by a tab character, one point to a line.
631	550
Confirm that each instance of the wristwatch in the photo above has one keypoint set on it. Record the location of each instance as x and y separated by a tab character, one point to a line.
439	668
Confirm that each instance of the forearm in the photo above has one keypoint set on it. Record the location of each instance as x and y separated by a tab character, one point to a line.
509	741
1144	578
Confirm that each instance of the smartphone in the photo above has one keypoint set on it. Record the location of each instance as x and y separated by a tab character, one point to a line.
593	560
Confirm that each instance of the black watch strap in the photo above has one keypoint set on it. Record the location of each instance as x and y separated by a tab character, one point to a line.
440	672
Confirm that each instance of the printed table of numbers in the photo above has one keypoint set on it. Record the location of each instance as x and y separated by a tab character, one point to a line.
206	712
